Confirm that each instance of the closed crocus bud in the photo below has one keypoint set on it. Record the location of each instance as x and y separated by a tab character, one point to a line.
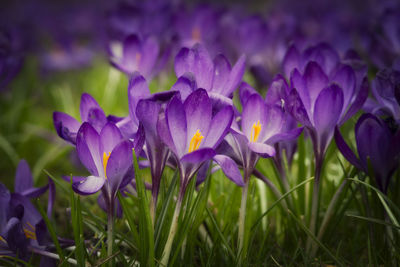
378	149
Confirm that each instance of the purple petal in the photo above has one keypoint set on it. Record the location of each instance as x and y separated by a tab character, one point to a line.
277	91
346	78
219	127
149	55
198	61
185	84
328	108
110	136
359	101
4	203
176	121
198	156
273	123
245	91
235	76
222	69
147	112
34	192
346	151
30	214
164	133
297	109
131	54
291	61
137	89
198	113
88	103
66	126
298	83
290	135
315	80
253	111
15	237
23	177
118	164
88	148
90	185
229	168
75	179
264	150
97	118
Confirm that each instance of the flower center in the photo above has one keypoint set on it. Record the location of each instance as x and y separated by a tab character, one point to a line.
105	161
29	231
196	141
255	131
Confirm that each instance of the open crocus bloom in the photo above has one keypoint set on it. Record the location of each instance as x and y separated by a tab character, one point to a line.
192	134
67	127
107	156
137	55
377	145
261	127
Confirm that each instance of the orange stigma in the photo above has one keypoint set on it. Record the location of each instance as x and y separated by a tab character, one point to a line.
255	131
196	141
105	161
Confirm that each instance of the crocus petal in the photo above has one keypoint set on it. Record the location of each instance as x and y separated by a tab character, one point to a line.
298	83
229	168
198	61
75	179
235	76
4	203
88	148
97	118
15	237
147	112
219	127
66	126
328	108
23	177
185	84
264	150
277	92
315	80
110	136
346	78
176	120
90	185
290	135
358	102
222	69
198	156
164	133
297	109
291	60
198	113
137	89
245	91
87	104
150	51
131	53
34	192
253	111
118	164
30	214
346	151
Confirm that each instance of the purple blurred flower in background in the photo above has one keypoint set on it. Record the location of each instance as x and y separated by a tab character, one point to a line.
136	55
378	149
216	76
386	93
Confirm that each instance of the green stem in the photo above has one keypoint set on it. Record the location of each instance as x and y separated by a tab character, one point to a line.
328	215
110	235
153	210
242	220
172	232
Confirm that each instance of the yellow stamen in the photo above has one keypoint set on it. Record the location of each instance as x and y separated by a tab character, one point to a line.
30	233
3	240
196	34
105	161
255	131
196	141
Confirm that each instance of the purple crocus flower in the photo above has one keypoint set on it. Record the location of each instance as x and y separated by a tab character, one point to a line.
386	91
325	95
67	127
378	149
192	134
216	76
137	55
107	156
262	126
